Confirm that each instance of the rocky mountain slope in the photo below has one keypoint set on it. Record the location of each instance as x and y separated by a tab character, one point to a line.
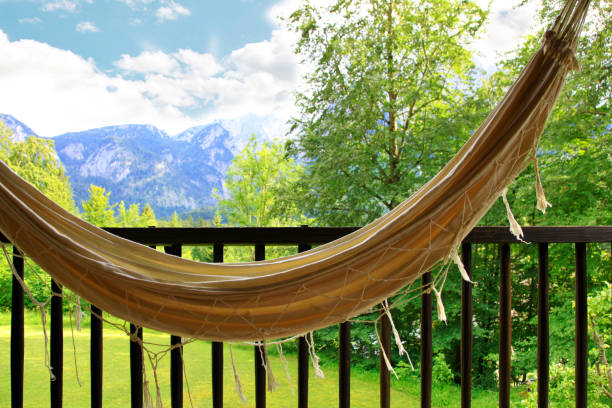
142	164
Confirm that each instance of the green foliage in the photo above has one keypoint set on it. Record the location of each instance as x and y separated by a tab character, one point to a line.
147	217
259	185
379	116
98	210
561	389
129	217
35	160
441	373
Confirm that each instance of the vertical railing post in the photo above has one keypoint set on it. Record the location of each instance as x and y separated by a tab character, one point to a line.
505	327
543	326
96	356
426	341
57	345
385	350
302	372
582	363
466	328
176	354
260	371
344	385
17	332
303	355
217	349
136	366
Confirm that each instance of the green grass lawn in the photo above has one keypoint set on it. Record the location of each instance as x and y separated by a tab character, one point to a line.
197	355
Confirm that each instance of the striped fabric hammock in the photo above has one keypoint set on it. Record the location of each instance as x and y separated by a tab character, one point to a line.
326	285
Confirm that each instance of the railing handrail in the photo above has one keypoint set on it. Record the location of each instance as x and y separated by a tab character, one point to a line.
319	235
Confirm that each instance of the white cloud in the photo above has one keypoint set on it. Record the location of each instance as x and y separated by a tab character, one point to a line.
29	20
171	11
56	91
134	4
135	22
507	26
148	62
62	5
87	27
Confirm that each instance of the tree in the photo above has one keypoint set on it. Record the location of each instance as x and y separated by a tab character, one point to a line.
147	217
378	119
35	160
128	217
97	209
256	183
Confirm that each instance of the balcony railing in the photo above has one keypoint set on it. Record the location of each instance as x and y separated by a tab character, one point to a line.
173	239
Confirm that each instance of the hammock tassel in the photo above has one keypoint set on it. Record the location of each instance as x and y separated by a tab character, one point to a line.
439	305
78	314
76	367
515	227
459	263
313	356
396	336
272	384
283	359
542	202
383	353
148	398
237	377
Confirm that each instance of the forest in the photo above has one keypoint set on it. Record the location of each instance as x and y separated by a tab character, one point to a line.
390	100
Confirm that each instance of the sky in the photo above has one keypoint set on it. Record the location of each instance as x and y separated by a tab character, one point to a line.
71	65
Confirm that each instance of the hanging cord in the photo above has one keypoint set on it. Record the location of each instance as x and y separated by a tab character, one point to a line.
237	377
396	336
76	368
313	356
285	363
148	399
439	304
41	308
185	375
383	352
265	360
515	227
79	313
542	202
459	263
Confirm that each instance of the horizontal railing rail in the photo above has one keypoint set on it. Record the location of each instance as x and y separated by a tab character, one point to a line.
173	239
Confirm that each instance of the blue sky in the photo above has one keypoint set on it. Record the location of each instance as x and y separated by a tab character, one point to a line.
106	29
70	65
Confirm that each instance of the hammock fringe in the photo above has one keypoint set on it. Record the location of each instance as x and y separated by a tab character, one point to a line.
236	377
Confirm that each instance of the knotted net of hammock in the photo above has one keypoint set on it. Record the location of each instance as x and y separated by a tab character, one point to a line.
326	285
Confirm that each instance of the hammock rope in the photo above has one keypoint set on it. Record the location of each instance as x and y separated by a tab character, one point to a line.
291	296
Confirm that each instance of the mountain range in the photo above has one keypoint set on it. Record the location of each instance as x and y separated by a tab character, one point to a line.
141	164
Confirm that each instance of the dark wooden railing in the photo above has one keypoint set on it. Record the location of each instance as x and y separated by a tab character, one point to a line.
174	238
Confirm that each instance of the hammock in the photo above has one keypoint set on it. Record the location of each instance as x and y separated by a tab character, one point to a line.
314	289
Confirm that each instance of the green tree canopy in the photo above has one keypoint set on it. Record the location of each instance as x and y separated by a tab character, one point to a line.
378	119
257	184
98	210
35	160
